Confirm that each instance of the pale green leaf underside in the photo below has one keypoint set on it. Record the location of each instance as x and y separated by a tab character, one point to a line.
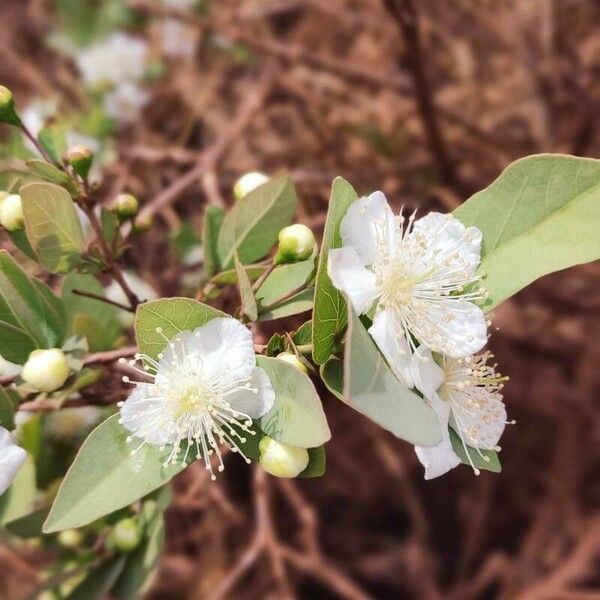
297	417
493	464
249	307
541	215
52	225
172	315
105	477
251	227
371	388
329	312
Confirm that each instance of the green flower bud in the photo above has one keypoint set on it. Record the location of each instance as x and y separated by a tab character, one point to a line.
70	538
296	242
293	360
126	535
281	460
126	206
46	370
80	158
248	182
11	213
142	224
8	113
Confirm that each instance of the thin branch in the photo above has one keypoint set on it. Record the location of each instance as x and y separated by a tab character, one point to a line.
102	299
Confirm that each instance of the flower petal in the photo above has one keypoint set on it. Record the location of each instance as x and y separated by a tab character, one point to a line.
439	459
254	404
448	243
393	345
358	227
426	373
478	416
223	345
348	275
139	410
12	458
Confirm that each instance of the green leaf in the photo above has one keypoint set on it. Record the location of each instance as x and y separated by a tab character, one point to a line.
7	409
332	374
541	215
371	388
109	223
99	580
249	307
213	219
31	316
299	303
316	463
52	225
284	280
18	499
105	477
185	238
28	526
251	227
142	562
493	464
96	320
230	276
297	417
52	138
329	313
172	315
53	174
19	239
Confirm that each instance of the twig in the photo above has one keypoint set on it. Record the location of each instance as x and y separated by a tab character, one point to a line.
101	299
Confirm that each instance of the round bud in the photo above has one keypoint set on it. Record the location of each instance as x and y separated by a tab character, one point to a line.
126	535
7	107
293	360
281	460
126	206
142	224
11	212
70	538
46	370
248	182
80	158
296	242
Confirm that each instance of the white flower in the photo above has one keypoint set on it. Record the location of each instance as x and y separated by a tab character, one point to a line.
118	59
419	276
206	390
465	394
125	102
8	369
12	458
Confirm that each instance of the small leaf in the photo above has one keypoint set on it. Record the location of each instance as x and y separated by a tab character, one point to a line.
316	463
99	580
249	307
332	374
297	417
7	409
493	464
53	174
172	315
251	227
329	313
283	280
18	499
105	477
303	335
52	139
541	215
213	219
109	223
31	316
52	225
299	303
371	388
230	276
28	526
19	239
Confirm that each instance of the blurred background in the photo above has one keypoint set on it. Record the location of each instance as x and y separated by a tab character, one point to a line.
427	101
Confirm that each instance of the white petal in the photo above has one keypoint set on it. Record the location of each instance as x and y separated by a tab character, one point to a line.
357	228
138	410
446	237
253	404
453	327
8	369
479	416
427	375
12	458
348	275
439	459
393	345
223	345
